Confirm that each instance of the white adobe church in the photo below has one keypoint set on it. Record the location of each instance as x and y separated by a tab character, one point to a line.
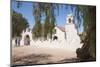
67	37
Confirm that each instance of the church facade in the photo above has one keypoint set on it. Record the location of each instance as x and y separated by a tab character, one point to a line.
67	36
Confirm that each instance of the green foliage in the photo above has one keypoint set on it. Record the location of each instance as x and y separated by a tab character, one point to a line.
38	26
19	23
44	10
50	20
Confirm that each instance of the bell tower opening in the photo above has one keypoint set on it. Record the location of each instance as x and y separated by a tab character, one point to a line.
69	20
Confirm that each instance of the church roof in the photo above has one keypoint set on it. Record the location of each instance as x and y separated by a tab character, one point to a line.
61	28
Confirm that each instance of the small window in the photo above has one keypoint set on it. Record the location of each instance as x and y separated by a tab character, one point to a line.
69	20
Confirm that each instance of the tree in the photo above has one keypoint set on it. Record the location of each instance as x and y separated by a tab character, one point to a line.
19	23
44	10
50	19
88	49
37	14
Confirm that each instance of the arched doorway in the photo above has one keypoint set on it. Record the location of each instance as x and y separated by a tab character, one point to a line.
27	40
55	38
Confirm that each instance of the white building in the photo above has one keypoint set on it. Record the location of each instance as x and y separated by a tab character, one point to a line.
66	37
60	33
68	30
26	37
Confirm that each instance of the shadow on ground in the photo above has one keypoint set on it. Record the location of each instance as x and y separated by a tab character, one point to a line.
31	59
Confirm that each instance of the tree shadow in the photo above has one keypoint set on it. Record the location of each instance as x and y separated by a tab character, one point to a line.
31	59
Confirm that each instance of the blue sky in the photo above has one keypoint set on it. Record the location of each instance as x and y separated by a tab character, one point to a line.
26	10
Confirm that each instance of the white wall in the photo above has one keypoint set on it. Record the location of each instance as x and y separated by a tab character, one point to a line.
60	34
24	33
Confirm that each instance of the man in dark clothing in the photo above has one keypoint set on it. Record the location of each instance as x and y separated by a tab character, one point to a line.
16	42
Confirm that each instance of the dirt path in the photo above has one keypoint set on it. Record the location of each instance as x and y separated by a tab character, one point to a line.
34	55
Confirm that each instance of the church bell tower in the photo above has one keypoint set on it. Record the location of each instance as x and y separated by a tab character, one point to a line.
69	19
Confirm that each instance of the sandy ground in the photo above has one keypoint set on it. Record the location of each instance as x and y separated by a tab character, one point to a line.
40	55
